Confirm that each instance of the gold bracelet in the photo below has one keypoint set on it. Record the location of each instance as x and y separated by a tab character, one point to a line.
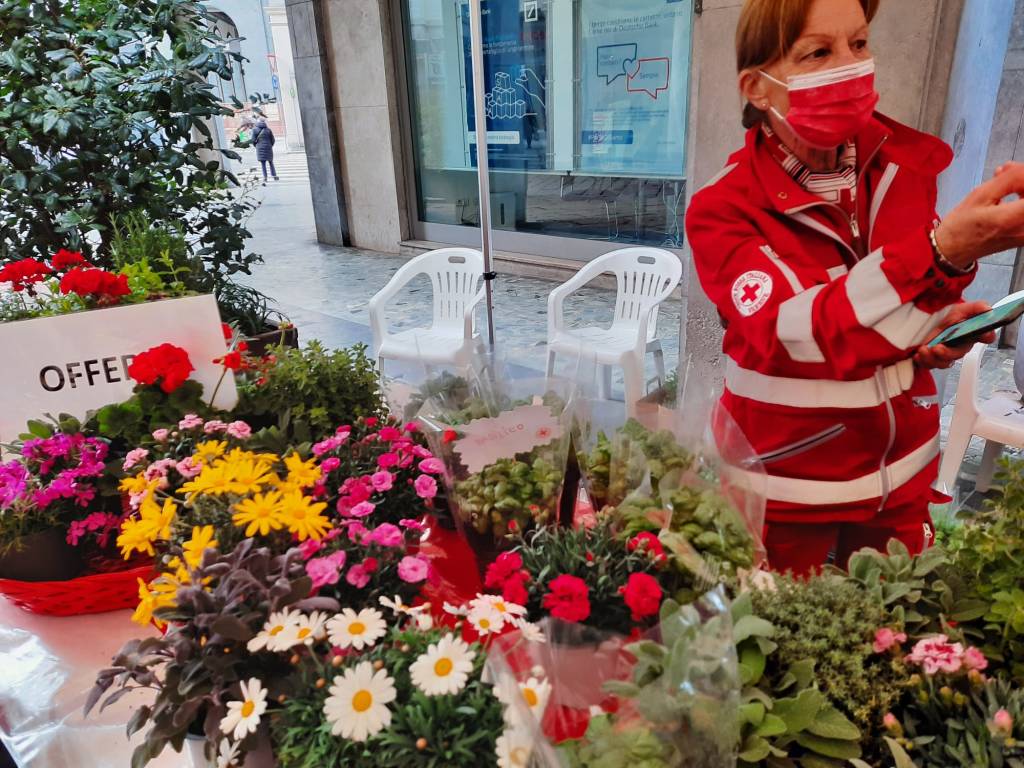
945	264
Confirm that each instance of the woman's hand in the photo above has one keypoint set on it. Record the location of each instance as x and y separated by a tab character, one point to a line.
985	222
943	356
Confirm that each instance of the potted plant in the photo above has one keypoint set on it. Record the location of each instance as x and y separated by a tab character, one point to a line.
261	326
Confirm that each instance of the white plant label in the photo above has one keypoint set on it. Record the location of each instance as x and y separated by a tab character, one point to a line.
79	362
484	441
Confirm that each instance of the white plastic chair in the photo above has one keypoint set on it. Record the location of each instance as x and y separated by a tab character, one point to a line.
452	339
645	278
999	420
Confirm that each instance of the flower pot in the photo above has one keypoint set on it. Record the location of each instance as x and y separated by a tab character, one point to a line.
43	556
261	342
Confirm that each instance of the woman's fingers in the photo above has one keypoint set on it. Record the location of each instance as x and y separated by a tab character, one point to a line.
1008	180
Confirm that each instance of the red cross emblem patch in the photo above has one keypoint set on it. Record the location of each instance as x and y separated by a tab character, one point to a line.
751	291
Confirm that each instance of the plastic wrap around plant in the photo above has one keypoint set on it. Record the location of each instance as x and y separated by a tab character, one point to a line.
582	698
504	441
686	474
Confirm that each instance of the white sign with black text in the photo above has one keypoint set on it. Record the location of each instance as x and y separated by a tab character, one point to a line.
79	362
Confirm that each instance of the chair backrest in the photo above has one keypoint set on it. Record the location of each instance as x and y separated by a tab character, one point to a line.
645	277
455	274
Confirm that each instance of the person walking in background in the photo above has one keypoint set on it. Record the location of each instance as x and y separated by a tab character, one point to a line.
263	140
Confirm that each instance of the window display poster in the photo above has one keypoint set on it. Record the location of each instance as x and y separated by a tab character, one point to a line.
515	68
634	70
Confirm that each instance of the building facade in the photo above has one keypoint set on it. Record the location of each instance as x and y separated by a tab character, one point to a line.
602	116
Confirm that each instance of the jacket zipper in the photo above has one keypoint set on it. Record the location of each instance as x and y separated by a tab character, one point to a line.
802	446
883	468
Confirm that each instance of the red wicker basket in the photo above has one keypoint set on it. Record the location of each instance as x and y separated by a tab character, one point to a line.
94	593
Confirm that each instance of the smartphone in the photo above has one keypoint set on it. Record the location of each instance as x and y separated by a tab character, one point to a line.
969	330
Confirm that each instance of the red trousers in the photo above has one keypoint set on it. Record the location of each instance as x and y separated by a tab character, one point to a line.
805	547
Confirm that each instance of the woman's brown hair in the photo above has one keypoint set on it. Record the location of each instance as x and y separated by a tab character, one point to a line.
767	30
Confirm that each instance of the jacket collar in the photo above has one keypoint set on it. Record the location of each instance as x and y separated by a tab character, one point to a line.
882	140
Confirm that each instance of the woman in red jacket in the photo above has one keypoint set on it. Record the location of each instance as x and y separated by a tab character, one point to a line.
820	246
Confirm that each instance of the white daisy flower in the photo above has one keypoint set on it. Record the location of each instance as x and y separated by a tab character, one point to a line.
485	620
513	749
269	637
455	610
349	629
532	633
507	609
227	754
444	668
306	630
399	608
424	622
534	693
243	716
357	707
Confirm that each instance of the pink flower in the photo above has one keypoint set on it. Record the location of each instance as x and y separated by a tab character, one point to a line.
411	427
890	721
386	460
189	467
362	509
432	466
357	532
387	535
426	487
412	525
413	569
420	452
328	445
371	421
159	469
1002	723
357	576
885	639
239	430
936	654
390	434
325	570
382	481
134	457
161	435
214	425
309	547
329	464
190	421
975	659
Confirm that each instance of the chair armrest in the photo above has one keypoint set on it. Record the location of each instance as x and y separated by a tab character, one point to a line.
557	297
467	316
377	305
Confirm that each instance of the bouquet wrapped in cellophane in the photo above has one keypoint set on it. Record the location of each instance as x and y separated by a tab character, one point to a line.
504	441
578	697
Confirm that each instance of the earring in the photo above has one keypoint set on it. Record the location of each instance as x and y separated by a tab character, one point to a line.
764	106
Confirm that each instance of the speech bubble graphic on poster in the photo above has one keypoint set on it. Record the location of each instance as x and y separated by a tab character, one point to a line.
615	61
651	77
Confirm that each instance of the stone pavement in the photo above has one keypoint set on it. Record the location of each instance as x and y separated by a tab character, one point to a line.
325	290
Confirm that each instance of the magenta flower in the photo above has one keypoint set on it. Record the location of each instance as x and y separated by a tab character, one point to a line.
310	547
362	509
357	532
412	525
387	460
325	570
239	430
432	466
13	482
412	569
936	654
382	481
329	464
426	487
357	576
387	535
390	434
420	452
886	638
412	427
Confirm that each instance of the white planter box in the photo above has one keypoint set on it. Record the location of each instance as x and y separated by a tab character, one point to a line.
79	362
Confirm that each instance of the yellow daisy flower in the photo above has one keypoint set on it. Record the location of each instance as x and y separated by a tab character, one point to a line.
301	473
160	593
208	450
147	604
158	518
247	476
213	480
202	540
135	536
134	485
302	516
260	513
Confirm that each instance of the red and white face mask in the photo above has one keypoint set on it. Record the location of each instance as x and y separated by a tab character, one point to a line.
829	108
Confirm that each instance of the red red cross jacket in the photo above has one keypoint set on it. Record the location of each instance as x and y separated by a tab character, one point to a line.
822	314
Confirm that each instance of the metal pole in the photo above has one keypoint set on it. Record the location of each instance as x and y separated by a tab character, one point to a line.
482	166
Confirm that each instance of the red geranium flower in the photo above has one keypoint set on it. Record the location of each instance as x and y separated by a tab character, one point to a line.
166	365
514	589
450	436
88	281
24	273
502	569
64	259
232	361
568	598
643	595
228	331
648	542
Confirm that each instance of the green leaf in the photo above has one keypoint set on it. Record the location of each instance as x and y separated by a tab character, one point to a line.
754	750
799	712
773	725
750	626
838	748
832	724
899	754
752	712
752	664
